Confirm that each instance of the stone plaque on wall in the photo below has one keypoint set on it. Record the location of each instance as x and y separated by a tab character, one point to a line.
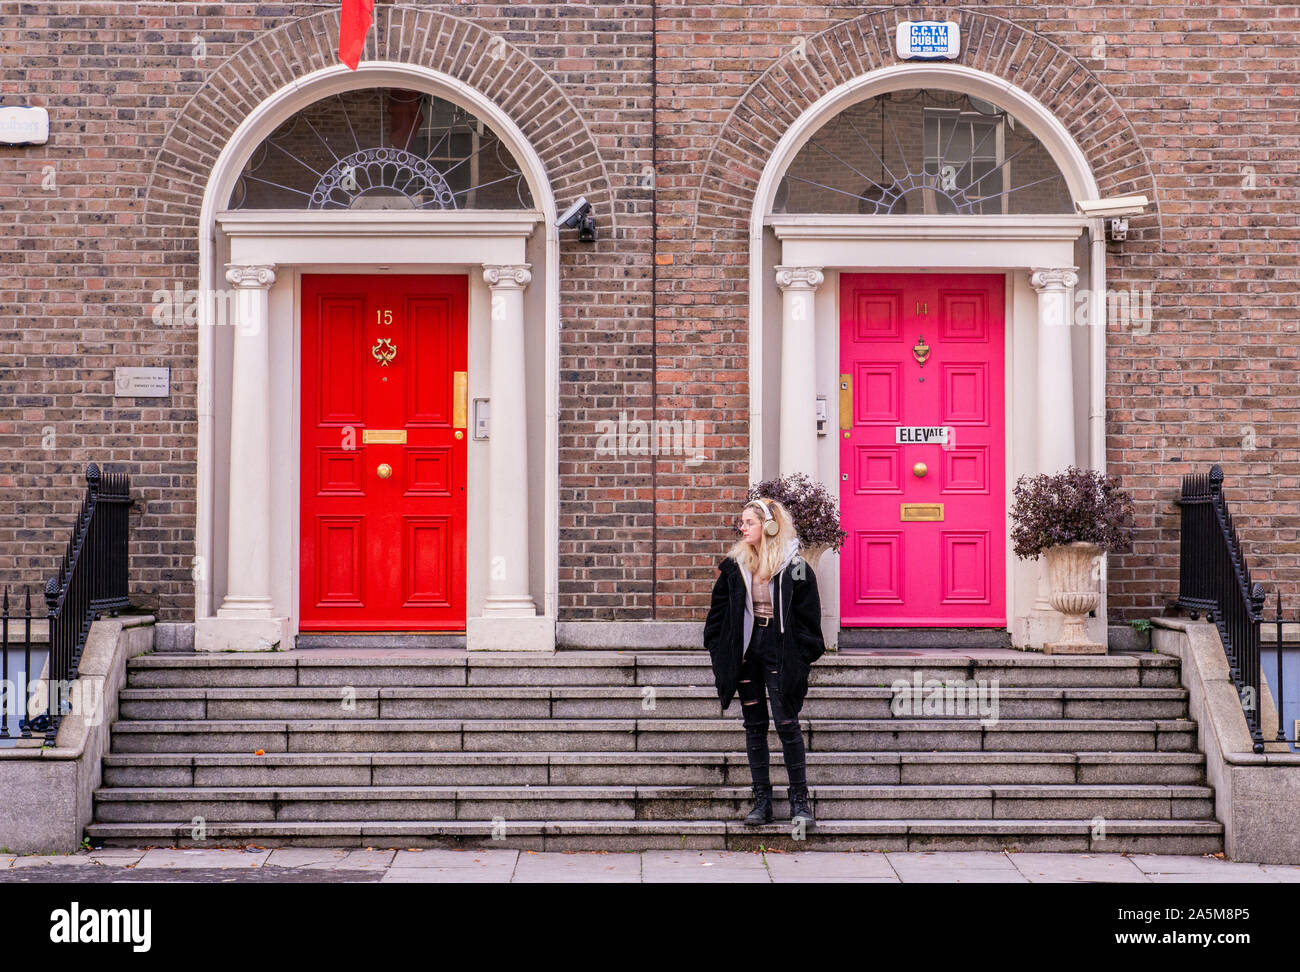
141	382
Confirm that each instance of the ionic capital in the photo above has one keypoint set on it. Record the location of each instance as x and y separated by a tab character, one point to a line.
251	275
1053	278
507	276
799	278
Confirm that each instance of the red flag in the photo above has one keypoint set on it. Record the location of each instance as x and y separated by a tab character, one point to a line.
353	27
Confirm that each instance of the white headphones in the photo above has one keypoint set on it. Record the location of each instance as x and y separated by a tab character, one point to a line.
770	527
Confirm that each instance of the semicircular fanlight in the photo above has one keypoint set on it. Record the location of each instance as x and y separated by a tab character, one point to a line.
382	148
923	152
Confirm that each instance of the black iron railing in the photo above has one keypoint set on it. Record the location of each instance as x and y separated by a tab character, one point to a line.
1280	646
1213	577
91	581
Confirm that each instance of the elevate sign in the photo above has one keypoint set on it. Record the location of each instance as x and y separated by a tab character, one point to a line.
928	39
921	434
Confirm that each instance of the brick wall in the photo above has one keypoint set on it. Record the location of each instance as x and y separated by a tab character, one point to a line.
1199	110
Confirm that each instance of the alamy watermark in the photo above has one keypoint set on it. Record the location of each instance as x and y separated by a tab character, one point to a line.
79	697
179	307
659	437
1128	310
960	697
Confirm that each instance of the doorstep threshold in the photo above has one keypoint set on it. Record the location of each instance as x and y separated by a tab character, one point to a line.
379	639
910	639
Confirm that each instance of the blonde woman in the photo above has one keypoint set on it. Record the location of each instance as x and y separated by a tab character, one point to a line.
763	633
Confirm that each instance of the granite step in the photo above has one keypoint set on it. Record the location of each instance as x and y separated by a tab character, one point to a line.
615	702
654	735
487	803
450	668
642	768
920	834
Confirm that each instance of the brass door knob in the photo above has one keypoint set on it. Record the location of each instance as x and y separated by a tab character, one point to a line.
384	470
919	470
460	434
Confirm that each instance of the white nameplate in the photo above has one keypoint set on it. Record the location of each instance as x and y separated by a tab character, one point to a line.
929	39
921	434
24	126
142	382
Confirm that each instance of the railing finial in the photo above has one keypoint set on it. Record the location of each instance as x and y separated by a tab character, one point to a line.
1216	478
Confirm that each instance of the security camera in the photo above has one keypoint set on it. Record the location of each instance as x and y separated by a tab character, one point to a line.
579	216
1116	210
1115	206
574	213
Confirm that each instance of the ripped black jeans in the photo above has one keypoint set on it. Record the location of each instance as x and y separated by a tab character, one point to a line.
757	673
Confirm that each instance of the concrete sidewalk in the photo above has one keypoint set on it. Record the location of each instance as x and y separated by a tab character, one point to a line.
495	865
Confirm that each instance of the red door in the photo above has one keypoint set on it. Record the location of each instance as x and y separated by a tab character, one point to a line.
922	450
384	362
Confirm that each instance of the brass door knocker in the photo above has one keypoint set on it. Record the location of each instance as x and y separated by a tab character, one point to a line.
920	350
384	351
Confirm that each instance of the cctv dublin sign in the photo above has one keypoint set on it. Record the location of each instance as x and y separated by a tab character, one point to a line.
928	39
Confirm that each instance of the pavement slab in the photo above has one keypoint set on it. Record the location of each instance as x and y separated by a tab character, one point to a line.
119	856
178	857
445	875
578	866
47	860
448	858
703	866
954	866
330	859
80	874
1282	873
830	865
1078	868
1210	877
1189	864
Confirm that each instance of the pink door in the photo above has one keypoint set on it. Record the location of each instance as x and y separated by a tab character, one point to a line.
922	450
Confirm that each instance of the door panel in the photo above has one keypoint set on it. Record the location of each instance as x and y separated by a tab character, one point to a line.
922	353
383	543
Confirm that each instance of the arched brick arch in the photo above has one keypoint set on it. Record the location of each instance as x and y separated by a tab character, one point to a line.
456	47
1064	84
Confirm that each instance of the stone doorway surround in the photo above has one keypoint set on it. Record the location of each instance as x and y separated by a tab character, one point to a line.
246	567
795	262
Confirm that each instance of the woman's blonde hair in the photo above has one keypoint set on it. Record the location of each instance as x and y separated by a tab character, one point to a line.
771	550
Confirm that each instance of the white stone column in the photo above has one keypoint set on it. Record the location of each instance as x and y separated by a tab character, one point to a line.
798	419
246	619
1055	288
508	524
248	571
1055	400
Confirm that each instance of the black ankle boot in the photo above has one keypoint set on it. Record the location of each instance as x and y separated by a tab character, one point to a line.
799	804
762	811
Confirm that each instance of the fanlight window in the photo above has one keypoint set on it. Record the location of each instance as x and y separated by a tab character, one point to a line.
382	148
923	152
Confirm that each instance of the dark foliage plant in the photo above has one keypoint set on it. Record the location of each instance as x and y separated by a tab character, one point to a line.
1077	505
815	511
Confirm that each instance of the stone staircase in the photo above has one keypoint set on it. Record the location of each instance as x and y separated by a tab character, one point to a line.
627	750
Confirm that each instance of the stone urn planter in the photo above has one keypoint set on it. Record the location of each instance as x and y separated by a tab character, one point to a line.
1071	519
1072	576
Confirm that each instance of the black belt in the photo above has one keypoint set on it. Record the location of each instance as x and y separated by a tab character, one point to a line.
762	622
